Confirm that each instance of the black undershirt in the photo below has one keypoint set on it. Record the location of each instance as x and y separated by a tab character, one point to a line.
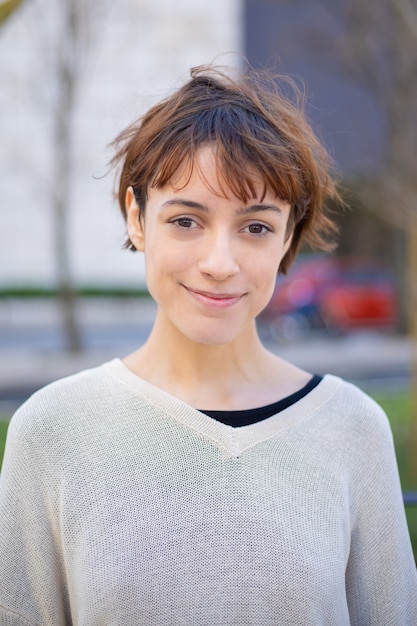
251	416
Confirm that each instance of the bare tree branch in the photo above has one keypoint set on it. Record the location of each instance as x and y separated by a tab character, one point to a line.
65	33
408	14
7	8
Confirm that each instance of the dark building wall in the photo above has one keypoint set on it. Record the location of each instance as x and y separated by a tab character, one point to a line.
285	36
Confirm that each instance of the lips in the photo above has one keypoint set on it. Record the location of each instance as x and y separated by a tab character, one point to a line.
215	299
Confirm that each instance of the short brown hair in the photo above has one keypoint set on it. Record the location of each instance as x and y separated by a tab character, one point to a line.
254	126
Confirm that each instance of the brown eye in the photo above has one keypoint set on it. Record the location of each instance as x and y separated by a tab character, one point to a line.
258	229
184	222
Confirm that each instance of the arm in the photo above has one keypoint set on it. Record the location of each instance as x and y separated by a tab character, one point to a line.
381	578
31	578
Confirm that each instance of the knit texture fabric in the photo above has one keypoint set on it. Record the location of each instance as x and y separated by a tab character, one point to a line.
121	505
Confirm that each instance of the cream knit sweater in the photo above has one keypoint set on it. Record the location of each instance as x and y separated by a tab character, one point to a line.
121	505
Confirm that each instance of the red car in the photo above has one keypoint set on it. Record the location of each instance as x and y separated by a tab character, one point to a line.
334	293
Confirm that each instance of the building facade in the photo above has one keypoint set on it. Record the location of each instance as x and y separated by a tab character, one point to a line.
132	53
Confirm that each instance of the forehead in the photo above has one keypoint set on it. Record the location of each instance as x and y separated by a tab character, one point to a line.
207	170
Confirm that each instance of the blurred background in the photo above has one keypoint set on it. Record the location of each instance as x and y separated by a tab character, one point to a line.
75	72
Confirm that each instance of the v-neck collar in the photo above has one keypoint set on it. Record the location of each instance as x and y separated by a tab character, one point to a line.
230	439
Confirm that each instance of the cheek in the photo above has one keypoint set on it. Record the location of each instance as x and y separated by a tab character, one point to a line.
164	258
271	261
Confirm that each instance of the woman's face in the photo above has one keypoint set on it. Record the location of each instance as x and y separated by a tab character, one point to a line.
211	261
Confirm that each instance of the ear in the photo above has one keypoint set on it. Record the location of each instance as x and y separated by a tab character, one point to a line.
134	221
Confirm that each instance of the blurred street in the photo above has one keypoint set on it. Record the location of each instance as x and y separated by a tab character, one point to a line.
32	350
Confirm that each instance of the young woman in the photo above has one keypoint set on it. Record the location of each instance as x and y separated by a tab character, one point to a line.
202	480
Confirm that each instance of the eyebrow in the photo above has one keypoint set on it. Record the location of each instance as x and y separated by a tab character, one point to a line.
190	204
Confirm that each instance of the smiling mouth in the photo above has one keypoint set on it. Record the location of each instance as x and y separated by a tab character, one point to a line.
214	299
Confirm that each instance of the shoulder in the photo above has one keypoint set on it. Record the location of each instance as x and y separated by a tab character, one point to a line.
353	406
348	419
354	423
64	406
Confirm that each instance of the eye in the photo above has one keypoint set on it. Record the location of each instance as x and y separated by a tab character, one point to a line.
184	222
258	229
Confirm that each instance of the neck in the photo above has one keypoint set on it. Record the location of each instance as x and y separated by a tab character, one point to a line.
239	374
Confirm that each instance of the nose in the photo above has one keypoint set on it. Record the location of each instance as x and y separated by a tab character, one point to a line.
218	257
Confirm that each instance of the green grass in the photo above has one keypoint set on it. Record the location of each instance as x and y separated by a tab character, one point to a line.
397	407
3	432
30	292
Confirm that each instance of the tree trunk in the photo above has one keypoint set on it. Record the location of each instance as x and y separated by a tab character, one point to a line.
63	115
